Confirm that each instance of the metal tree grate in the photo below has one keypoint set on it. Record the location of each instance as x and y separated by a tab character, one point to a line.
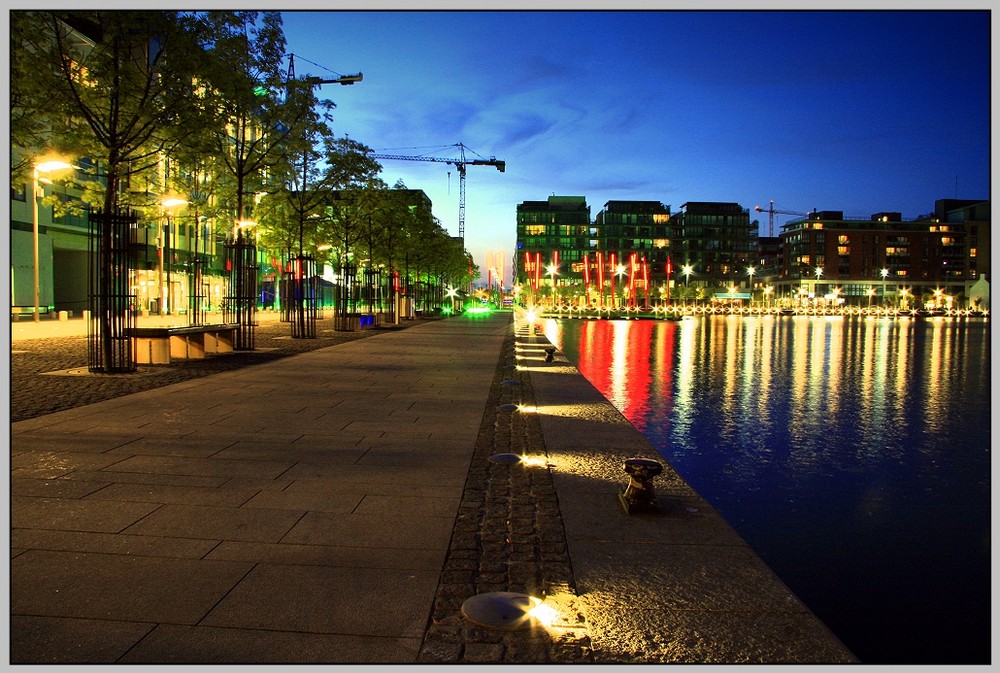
241	301
111	260
302	299
343	301
198	292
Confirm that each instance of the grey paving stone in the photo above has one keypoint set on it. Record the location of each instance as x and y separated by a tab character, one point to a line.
172	644
216	523
119	587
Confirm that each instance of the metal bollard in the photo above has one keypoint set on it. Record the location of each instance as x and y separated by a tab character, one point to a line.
639	496
549	354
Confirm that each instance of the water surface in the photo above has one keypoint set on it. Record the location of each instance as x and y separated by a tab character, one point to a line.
852	454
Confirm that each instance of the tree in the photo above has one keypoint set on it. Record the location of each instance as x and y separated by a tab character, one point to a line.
33	110
128	80
253	117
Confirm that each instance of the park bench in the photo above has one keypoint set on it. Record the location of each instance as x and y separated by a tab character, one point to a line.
158	345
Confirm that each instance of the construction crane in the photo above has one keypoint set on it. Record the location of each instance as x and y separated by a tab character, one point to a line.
460	163
343	80
772	211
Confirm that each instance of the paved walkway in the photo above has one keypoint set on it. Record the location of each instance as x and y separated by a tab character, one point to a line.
340	506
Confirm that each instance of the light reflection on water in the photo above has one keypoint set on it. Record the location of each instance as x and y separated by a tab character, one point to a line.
851	454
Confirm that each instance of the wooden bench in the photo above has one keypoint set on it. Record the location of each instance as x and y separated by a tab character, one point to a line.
158	345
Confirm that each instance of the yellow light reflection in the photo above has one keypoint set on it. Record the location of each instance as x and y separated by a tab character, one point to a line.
535	461
543	613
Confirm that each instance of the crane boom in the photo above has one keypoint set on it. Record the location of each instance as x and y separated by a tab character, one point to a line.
460	163
772	211
343	80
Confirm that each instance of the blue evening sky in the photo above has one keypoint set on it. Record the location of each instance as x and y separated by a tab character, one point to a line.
858	111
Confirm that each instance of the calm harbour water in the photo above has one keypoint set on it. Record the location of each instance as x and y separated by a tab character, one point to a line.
853	455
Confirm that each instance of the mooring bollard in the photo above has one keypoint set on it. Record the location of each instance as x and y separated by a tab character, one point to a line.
638	496
549	354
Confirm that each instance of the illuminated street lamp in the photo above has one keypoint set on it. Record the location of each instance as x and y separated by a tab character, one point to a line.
871	293
552	269
687	270
938	298
884	273
242	225
750	272
36	196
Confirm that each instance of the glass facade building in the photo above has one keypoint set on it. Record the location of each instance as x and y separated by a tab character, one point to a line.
717	240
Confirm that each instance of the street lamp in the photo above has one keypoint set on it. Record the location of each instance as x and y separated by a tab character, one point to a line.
36	196
551	269
750	272
883	273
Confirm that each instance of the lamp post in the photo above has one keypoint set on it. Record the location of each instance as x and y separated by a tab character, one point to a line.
750	272
883	273
687	269
552	269
819	272
36	195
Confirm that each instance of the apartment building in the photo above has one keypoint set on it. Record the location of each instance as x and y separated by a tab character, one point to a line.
885	254
643	247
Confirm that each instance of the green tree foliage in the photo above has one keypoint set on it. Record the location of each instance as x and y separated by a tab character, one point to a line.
256	120
198	105
126	83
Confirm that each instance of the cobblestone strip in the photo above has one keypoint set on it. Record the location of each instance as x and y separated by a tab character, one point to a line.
508	536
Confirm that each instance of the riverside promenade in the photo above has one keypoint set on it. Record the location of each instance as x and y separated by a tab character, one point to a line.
340	506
